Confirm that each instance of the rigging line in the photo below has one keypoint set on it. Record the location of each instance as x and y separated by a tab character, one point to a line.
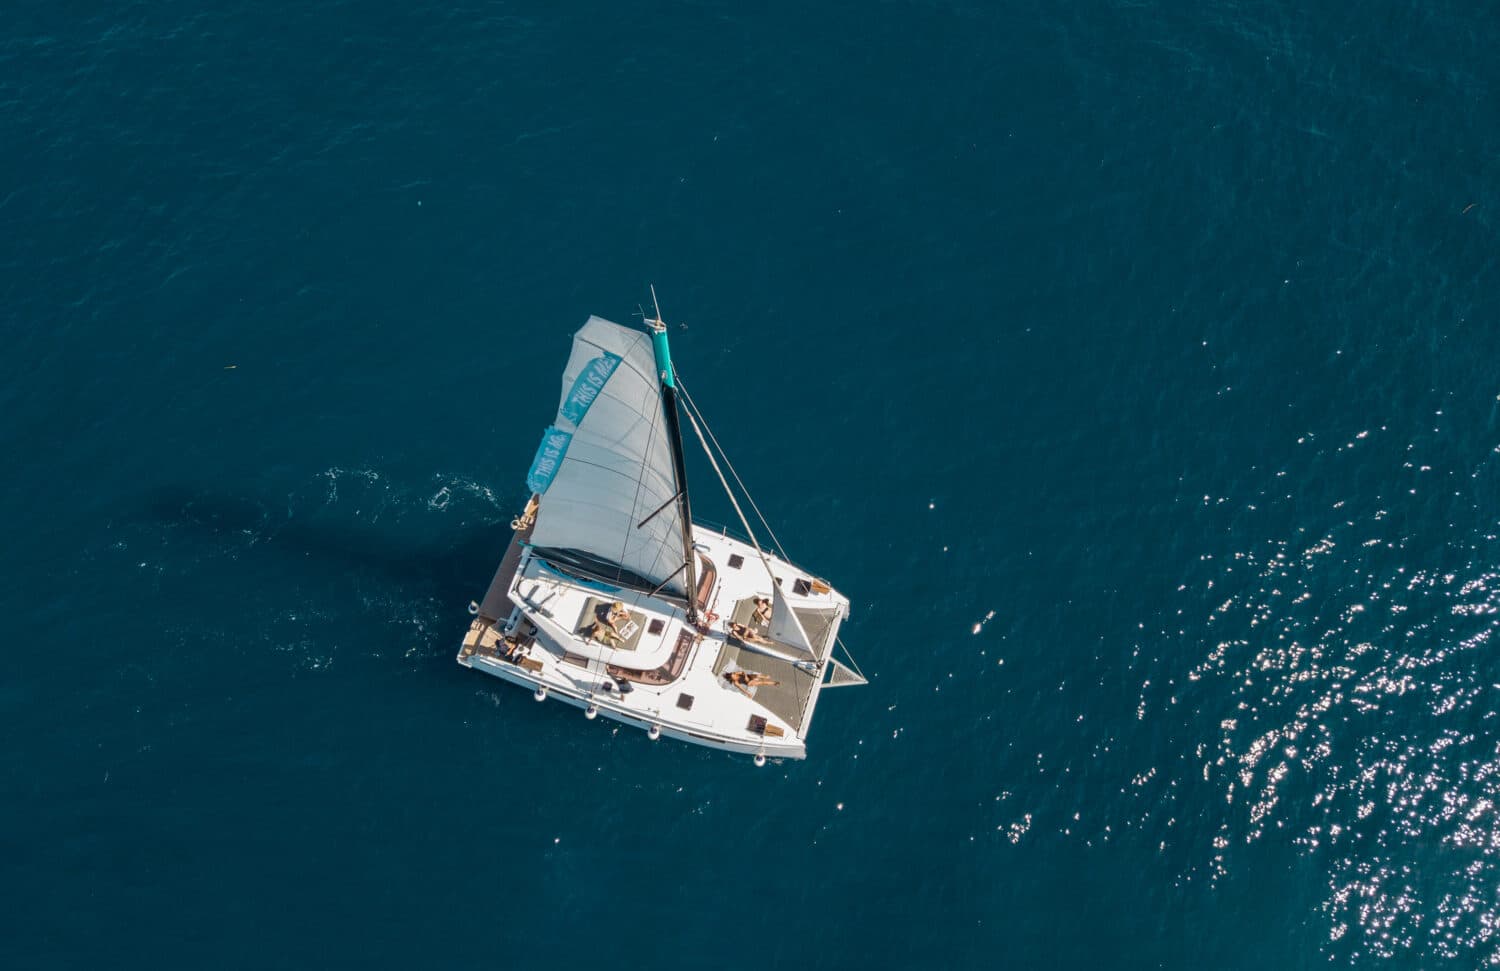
692	412
770	573
728	491
850	655
751	499
781	550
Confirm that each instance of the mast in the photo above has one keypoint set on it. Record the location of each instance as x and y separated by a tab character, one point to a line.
679	466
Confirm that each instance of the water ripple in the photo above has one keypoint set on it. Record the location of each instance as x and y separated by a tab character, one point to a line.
1350	675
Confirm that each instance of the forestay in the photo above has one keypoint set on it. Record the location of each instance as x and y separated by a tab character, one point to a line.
605	466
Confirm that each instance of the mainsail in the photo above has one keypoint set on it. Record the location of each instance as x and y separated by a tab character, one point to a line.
605	467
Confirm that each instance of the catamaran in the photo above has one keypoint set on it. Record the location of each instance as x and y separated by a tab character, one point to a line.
611	599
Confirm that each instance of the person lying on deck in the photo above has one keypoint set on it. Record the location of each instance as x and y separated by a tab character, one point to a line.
746	634
604	634
745	680
762	613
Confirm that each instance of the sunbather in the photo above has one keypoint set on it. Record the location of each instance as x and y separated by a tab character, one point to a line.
604	634
746	634
745	680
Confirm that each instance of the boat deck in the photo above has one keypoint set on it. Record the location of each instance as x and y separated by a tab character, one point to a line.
496	604
675	673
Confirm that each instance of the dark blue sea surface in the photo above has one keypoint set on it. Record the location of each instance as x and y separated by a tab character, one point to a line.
1131	365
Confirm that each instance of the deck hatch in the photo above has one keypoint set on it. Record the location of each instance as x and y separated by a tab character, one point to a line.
685	701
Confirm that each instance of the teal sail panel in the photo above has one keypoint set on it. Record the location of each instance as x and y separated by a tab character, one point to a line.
586	387
549	457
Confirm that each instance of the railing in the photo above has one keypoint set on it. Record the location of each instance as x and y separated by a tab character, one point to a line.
743	538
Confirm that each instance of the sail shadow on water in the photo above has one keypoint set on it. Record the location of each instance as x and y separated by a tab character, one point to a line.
402	549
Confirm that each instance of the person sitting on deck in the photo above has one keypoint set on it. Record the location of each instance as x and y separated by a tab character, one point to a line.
616	615
762	613
745	680
746	634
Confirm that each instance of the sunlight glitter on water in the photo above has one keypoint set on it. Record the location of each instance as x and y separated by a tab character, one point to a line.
1349	675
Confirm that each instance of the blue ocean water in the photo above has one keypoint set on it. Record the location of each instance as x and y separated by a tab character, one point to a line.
1131	365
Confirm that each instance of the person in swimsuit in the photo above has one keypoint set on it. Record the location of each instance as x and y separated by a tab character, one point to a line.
745	680
762	610
604	634
746	634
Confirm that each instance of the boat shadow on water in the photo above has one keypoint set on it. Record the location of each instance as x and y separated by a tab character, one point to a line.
410	551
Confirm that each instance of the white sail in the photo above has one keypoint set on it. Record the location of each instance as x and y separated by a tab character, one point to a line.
607	463
786	629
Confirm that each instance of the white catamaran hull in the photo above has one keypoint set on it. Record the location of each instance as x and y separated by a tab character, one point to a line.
524	633
610	599
556	692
